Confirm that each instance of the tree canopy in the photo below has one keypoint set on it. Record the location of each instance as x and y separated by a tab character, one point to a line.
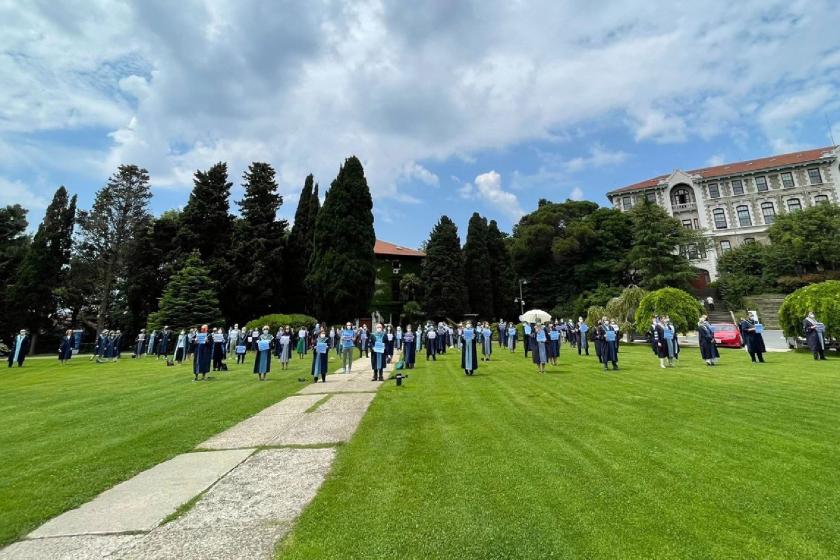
683	309
822	298
443	272
478	270
189	299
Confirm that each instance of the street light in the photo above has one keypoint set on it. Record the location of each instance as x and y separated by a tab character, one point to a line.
520	299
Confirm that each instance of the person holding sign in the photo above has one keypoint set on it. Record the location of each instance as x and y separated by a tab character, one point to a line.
320	357
262	361
389	344
203	349
467	340
486	342
377	357
554	343
751	331
431	343
181	347
409	343
219	349
706	338
664	350
582	337
241	347
511	338
526	340
815	336
284	344
348	335
539	350
609	343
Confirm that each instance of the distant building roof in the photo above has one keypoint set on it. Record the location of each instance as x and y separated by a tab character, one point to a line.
389	249
749	166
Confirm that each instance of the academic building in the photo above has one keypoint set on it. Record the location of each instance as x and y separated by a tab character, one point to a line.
735	203
393	262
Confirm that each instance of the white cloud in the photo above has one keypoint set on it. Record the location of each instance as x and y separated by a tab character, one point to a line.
577	194
716	159
487	187
598	157
414	171
16	192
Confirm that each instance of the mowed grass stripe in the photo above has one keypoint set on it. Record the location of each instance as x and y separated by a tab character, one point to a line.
691	462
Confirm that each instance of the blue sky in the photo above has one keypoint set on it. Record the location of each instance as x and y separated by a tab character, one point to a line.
453	107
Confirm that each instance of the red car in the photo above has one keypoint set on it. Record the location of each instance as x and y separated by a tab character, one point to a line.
728	335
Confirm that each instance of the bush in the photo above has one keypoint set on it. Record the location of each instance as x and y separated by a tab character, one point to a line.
734	286
277	320
623	308
823	299
679	305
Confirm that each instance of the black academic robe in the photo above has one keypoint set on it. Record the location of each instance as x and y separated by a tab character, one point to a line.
487	343
163	343
377	359
706	339
409	351
814	338
753	340
469	358
262	359
659	341
609	348
320	360
202	351
24	350
431	346
65	350
389	346
116	346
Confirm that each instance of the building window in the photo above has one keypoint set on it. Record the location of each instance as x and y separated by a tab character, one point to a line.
787	180
692	252
725	245
626	202
769	212
681	195
737	187
821	199
686	224
651	197
720	218
714	191
696	223
814	176
761	184
743	216
794	205
749	240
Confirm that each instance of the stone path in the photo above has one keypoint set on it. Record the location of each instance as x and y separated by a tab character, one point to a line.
246	486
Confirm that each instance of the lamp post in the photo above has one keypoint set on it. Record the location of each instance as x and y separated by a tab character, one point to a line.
520	299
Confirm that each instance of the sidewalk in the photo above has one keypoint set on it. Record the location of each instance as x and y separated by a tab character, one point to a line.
234	497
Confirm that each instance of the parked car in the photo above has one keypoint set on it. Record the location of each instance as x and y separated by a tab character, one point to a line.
728	335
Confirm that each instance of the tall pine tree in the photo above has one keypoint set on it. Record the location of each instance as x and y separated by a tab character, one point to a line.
299	248
13	245
43	268
477	268
501	270
259	241
343	266
443	272
189	299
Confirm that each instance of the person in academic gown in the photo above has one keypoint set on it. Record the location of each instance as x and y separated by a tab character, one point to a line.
753	339
233	338
553	343
398	337
526	340
320	357
409	347
609	343
285	344
706	339
262	359
598	339
181	347
202	349
469	356
389	344
377	354
582	338
140	343
502	332
431	343
664	350
19	349
99	346
241	348
116	345
65	349
105	347
163	344
511	338
538	341
363	341
191	343
815	336
486	342
153	340
219	349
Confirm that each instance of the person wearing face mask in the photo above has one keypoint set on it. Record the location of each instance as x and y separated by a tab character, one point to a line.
284	344
363	341
486	342
262	360
203	350
65	350
20	348
241	348
233	338
814	335
409	347
609	343
706	340
431	343
398	336
181	347
301	342
389	344
320	357
333	337
469	359
348	335
219	349
377	357
663	337
751	332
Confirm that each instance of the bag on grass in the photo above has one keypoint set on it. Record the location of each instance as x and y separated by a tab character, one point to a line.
400	365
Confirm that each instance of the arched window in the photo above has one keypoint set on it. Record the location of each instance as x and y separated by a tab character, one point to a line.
794	205
682	195
720	218
821	199
743	213
769	212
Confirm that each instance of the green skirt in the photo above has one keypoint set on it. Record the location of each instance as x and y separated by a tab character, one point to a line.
301	346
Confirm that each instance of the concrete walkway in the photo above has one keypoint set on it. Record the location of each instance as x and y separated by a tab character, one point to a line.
238	493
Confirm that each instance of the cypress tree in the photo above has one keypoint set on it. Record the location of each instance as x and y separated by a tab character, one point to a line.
501	267
13	245
259	241
477	268
443	272
42	271
343	266
189	298
299	248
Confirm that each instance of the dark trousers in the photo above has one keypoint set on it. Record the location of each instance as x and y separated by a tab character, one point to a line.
583	345
217	361
819	354
240	358
759	355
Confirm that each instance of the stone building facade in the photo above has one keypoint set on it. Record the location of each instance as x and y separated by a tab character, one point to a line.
735	203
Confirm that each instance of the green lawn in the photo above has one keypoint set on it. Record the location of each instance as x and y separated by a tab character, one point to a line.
736	461
68	433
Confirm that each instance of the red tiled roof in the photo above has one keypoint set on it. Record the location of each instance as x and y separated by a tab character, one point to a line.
385	248
726	169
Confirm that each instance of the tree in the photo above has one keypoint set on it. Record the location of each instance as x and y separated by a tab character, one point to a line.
743	271
189	299
43	268
679	305
260	242
503	279
342	270
657	239
822	298
13	245
443	272
811	238
411	287
623	308
301	240
478	270
119	210
206	225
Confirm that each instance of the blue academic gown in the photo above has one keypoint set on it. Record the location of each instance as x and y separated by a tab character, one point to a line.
201	363
409	350
65	351
262	361
469	360
320	360
377	359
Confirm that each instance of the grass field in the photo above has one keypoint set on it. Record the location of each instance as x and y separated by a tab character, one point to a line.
68	433
736	461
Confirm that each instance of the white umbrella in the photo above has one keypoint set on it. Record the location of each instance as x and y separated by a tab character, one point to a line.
535	315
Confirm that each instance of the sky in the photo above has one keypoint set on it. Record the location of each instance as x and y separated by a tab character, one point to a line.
452	107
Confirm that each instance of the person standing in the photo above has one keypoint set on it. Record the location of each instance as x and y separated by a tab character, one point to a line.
539	351
511	338
262	360
116	346
398	337
203	348
661	336
377	357
65	349
814	335
140	343
526	340
181	347
753	339
431	343
219	348
502	326
233	338
409	347
320	357
285	344
153	339
20	348
582	337
163	344
486	342
105	347
553	343
301	342
389	344
363	341
609	343
706	339
469	362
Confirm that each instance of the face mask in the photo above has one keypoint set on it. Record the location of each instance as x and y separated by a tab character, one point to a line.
378	330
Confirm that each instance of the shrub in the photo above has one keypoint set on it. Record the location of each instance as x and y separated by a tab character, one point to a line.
734	286
277	320
823	299
679	305
623	308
